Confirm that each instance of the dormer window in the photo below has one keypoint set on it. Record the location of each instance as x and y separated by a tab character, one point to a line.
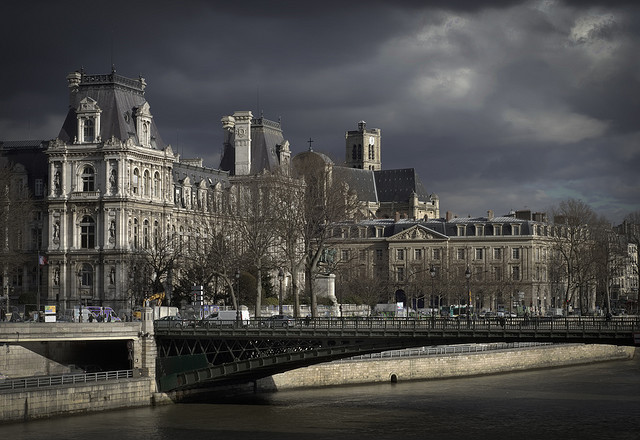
89	130
143	124
88	114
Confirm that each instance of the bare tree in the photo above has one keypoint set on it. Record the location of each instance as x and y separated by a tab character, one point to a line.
288	200
16	214
326	202
573	243
256	220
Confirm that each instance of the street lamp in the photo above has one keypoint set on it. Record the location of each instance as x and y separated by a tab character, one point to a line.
280	278
238	296
467	275
432	272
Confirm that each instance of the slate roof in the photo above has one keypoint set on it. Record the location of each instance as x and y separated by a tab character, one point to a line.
117	97
449	228
266	137
398	185
361	181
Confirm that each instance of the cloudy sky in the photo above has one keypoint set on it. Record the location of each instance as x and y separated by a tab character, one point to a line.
498	105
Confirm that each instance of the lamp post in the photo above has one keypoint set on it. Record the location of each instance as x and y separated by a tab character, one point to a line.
238	296
467	275
432	273
280	278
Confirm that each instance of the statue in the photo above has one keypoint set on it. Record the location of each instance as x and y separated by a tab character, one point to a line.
113	180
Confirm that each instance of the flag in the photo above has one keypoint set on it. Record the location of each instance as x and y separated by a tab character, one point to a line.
42	260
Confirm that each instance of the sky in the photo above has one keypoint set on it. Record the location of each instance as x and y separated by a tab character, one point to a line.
498	105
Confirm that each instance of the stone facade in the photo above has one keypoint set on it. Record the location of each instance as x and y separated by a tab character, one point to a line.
440	367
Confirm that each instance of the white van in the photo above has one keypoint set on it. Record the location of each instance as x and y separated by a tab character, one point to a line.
226	318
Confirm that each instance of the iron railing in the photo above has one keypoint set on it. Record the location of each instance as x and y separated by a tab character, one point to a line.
64	379
623	324
440	350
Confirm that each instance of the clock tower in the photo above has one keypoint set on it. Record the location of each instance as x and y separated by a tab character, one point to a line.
363	148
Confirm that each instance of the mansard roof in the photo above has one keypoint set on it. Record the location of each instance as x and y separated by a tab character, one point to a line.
266	136
117	97
398	185
444	228
361	181
266	139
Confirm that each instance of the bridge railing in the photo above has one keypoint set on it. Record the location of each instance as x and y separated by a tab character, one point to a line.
629	323
64	379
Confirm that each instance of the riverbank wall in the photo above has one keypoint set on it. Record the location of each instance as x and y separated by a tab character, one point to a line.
67	400
29	404
354	372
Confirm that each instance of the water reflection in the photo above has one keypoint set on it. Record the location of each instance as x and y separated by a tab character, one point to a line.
595	401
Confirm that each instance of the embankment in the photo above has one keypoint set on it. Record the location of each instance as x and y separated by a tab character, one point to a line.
440	367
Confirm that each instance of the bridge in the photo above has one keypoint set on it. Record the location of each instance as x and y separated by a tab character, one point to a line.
193	354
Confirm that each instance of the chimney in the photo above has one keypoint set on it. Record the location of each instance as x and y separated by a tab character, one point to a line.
490	214
449	216
397	216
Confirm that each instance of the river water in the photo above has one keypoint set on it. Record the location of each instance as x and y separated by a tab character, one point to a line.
598	401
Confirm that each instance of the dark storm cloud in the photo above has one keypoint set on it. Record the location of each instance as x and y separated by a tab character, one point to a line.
498	105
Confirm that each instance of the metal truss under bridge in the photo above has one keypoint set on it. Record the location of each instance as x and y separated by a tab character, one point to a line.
194	354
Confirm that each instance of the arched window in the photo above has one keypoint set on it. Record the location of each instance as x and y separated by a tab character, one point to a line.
136	236
156	233
156	184
145	234
87	232
88	179
359	151
89	130
146	183
135	181
354	153
86	275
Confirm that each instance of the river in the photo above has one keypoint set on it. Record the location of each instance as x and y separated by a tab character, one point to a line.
598	401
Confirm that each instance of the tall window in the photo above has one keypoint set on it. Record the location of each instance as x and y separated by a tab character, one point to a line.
89	130
156	233
39	187
515	253
417	254
135	181
515	273
460	254
436	254
86	275
479	253
156	184
136	233
87	232
400	273
497	253
146	183
88	179
145	234
399	254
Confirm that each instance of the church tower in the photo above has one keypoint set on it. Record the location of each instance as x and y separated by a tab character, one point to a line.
363	148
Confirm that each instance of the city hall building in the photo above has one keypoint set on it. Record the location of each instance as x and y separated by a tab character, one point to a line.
108	186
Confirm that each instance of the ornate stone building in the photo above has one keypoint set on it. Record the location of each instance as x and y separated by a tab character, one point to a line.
507	259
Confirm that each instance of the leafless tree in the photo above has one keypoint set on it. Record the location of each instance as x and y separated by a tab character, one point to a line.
256	219
573	242
326	202
16	215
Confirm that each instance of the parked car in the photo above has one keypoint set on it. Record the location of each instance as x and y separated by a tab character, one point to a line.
276	321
